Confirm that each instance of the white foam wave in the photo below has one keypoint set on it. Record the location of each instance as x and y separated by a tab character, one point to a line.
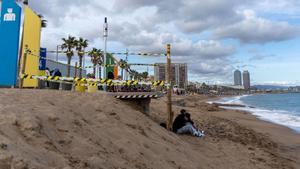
280	117
232	100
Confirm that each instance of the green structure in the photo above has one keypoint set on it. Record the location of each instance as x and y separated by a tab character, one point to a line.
110	61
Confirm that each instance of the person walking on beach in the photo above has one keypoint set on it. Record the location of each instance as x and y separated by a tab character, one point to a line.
183	124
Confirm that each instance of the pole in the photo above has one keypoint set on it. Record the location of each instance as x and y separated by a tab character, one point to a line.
105	35
22	69
169	88
75	72
126	72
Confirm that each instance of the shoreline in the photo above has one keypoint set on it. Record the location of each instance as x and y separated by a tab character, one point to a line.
252	110
238	126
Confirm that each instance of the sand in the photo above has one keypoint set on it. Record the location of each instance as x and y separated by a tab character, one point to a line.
42	129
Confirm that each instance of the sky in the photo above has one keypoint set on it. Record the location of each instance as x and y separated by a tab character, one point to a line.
214	37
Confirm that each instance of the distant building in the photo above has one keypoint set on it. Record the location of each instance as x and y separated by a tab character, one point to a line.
237	78
294	89
63	68
246	80
179	73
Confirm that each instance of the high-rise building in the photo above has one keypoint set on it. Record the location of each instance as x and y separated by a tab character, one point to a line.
237	78
246	80
179	73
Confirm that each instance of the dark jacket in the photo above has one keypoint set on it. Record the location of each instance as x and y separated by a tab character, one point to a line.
57	73
179	122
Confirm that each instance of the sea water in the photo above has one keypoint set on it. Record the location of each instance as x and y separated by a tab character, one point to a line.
283	109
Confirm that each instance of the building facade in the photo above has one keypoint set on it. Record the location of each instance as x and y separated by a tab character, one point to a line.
179	73
246	80
237	78
63	68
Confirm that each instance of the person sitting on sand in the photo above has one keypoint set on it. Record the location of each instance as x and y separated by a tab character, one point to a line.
56	72
179	121
184	125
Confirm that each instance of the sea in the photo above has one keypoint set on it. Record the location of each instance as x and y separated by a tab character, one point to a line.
282	109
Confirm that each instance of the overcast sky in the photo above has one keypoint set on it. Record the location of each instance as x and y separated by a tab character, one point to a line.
213	36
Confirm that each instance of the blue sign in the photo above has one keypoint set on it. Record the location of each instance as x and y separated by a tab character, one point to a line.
43	55
9	42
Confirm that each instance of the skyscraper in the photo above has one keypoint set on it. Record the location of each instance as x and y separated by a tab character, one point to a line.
179	73
237	78
246	80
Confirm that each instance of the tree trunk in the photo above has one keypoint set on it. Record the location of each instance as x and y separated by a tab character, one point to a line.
94	70
69	66
80	65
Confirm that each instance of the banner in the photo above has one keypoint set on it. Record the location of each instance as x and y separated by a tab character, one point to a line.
42	62
43	54
116	72
31	38
9	42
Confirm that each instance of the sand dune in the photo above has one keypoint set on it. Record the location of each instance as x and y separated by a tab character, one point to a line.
65	130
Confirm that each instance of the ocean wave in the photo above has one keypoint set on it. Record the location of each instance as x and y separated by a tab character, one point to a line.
280	117
231	100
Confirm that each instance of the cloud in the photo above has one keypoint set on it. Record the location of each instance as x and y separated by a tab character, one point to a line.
258	55
144	25
257	30
278	6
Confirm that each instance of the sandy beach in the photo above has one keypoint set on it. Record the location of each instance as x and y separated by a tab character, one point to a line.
41	129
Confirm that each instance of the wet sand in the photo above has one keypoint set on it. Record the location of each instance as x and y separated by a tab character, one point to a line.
64	130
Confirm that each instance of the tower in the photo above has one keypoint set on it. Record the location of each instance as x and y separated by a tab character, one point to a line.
237	78
246	80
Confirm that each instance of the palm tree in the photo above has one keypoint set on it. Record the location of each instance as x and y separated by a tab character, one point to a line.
69	44
81	44
96	58
144	75
123	65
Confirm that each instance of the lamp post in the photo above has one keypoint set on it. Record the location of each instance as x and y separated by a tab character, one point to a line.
105	35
